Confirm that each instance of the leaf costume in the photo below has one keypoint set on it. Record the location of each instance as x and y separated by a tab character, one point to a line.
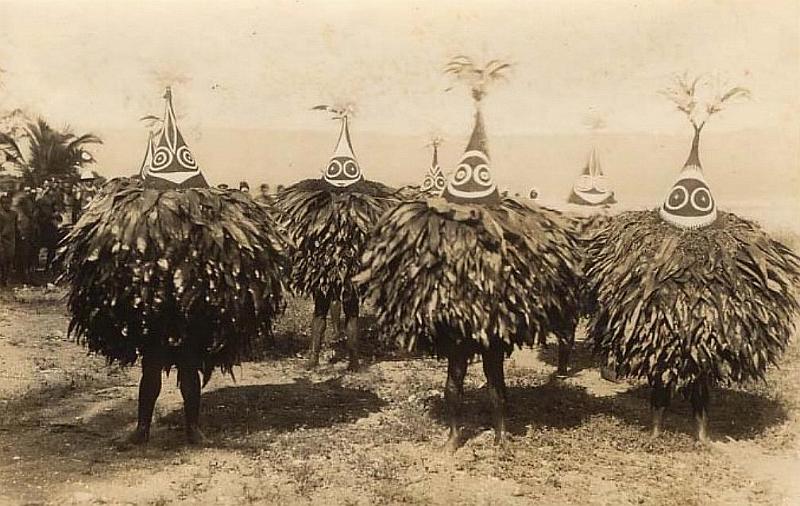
168	263
327	221
689	296
471	273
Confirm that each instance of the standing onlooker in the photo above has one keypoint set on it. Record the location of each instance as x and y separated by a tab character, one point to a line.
244	187
8	239
47	219
264	196
26	251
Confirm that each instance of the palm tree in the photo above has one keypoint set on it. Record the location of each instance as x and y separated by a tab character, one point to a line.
52	153
478	78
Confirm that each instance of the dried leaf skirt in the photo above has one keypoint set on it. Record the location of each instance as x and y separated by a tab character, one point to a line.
675	306
502	272
197	271
328	228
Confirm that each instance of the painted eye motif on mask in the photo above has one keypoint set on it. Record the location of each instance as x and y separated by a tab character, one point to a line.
483	176
441	182
463	174
427	184
472	179
342	171
678	198
334	168
701	199
601	184
584	183
689	203
689	197
350	169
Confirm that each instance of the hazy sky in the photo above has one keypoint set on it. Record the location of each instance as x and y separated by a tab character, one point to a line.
102	64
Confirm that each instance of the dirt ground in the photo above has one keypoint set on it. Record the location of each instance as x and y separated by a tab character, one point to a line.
282	435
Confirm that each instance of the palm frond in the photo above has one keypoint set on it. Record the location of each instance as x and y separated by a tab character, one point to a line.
477	78
10	147
736	92
685	95
84	139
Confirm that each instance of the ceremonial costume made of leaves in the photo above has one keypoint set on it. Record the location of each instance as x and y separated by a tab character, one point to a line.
484	267
328	220
166	263
687	293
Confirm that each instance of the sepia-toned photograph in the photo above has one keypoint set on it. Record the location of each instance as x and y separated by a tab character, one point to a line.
386	252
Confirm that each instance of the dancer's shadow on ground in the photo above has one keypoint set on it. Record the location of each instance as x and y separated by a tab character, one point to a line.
553	404
737	414
231	413
66	432
733	413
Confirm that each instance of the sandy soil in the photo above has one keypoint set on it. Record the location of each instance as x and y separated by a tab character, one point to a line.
281	435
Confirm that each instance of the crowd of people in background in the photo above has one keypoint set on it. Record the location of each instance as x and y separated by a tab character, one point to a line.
265	196
32	222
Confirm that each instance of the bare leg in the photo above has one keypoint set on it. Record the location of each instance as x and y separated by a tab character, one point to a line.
493	369
454	394
322	304
317	331
699	399
189	382
350	306
659	402
352	342
565	345
149	390
336	318
608	374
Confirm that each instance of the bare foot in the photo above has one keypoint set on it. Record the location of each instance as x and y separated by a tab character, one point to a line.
500	440
658	421
194	436
702	429
452	445
138	437
609	374
702	437
502	447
